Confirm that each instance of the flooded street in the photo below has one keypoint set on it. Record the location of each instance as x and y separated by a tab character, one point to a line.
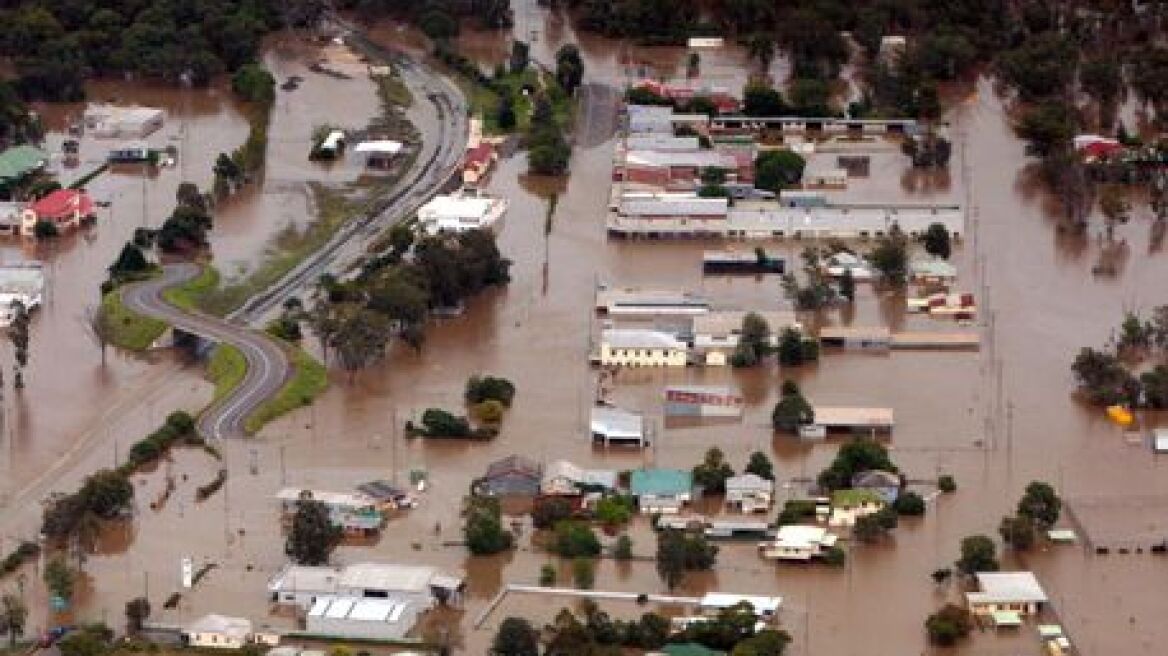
995	419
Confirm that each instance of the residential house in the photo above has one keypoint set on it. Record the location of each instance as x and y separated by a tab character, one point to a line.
19	162
461	212
663	491
798	542
932	271
702	401
13	216
749	493
716	334
885	483
301	586
849	505
362	618
387	495
616	426
1009	592
766	608
477	163
355	514
65	208
113	122
218	632
641	347
513	476
562	478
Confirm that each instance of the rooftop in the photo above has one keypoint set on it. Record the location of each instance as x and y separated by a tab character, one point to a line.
664	204
514	464
699	159
457	206
852	416
378	147
749	482
639	338
1007	587
385	576
20	160
762	605
345	499
359	609
596	477
615	422
799	536
63	202
305	578
235	627
726	322
660	482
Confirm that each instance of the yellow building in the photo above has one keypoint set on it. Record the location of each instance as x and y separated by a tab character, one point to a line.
639	347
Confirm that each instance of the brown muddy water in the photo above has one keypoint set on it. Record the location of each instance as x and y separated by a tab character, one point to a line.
995	419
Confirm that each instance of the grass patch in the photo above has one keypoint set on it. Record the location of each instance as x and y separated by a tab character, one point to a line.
226	369
130	330
188	295
393	90
309	378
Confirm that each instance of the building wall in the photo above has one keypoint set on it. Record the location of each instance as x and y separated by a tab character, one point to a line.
346	628
989	609
641	357
214	640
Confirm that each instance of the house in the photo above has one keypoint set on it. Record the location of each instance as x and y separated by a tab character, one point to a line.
13	216
301	585
461	212
641	347
129	152
1160	440
64	208
355	514
478	163
1009	592
18	162
218	632
830	177
647	303
113	122
764	607
378	153
749	493
885	483
513	476
849	505
662	491
716	333
562	478
933	271
798	542
387	495
616	426
362	618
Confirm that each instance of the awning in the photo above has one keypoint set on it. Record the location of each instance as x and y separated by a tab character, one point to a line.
1007	618
381	147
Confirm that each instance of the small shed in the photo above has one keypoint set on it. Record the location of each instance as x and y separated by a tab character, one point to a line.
379	153
1160	440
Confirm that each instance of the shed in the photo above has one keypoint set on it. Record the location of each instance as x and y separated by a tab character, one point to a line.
616	426
19	161
218	632
511	476
1160	440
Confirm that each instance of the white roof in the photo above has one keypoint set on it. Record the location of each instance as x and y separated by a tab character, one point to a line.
656	141
640	338
306	578
1007	587
380	147
762	605
617	423
359	609
1160	439
378	576
666	158
667	204
235	627
749	482
456	207
798	536
579	475
346	499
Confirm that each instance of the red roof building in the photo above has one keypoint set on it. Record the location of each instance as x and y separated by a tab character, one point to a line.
478	163
67	208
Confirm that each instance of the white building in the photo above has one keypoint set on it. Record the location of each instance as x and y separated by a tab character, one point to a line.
299	585
635	302
1008	592
13	216
218	632
764	607
749	493
352	513
113	122
798	542
641	347
457	213
616	426
563	478
360	618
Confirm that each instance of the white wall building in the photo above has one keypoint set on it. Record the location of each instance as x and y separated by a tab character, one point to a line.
798	542
114	122
298	585
218	632
749	493
640	347
357	617
1011	592
457	213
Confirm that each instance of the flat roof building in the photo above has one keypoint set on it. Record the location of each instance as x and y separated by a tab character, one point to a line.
611	425
662	491
114	122
301	585
798	542
641	347
218	632
458	213
361	618
638	302
1017	592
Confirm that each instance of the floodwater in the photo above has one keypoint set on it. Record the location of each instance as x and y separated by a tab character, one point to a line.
995	419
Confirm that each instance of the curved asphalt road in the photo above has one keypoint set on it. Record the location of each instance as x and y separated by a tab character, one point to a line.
268	366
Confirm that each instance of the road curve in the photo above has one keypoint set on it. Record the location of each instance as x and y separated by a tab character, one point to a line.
268	366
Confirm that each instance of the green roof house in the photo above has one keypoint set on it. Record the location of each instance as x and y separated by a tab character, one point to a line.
19	161
662	491
689	649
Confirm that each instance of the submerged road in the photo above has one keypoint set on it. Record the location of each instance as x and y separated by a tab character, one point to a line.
268	366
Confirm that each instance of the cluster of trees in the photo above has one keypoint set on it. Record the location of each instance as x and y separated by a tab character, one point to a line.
978	554
548	150
483	530
775	170
948	625
855	457
254	85
13	616
55	46
792	409
1104	375
755	344
313	535
650	21
890	257
489	397
1038	510
185	230
355	320
679	552
438	19
809	98
17	124
712	472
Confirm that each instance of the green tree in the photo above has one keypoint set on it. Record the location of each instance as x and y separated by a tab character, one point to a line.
890	257
569	67
313	535
948	625
792	410
793	350
43	230
184	230
547	512
505	113
1104	379
483	531
754	340
936	239
1041	66
1017	532
515	637
583	573
978	554
253	83
623	549
59	579
547	575
835	556
490	412
762	100
484	388
671	557
854	457
575	539
909	503
106	493
847	286
1041	504
760	465
84	642
946	484
1047	127
13	615
713	471
614	510
768	642
775	170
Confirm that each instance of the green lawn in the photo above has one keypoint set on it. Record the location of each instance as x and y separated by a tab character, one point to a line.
309	378
226	369
188	295
129	329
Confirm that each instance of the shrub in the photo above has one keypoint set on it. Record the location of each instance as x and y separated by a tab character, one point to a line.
583	573
948	625
909	503
480	389
947	484
575	539
547	575
489	411
835	556
440	423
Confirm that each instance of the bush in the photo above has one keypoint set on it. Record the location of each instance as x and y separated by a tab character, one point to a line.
45	230
583	573
547	575
489	411
948	625
480	389
947	484
575	539
440	423
835	556
549	511
623	549
181	422
910	504
614	510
